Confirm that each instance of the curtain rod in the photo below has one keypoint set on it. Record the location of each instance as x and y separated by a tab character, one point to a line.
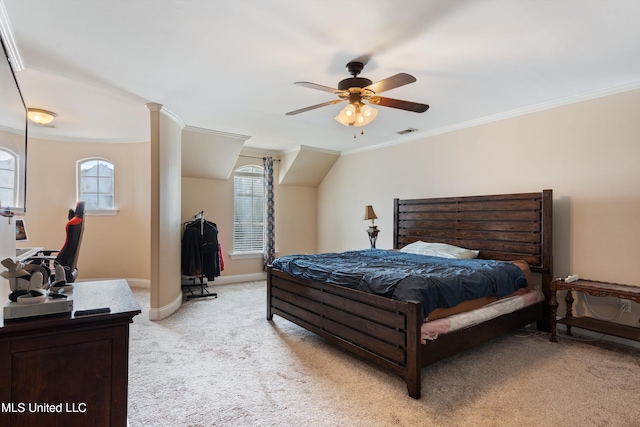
256	157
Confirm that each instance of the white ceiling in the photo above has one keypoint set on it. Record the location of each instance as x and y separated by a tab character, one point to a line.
229	65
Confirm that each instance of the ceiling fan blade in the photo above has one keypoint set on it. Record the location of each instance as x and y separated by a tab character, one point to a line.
318	87
313	107
392	82
416	107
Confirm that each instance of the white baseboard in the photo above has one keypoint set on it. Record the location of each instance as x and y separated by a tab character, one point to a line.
239	278
167	310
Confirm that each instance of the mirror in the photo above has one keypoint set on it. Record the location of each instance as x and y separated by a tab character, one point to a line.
13	139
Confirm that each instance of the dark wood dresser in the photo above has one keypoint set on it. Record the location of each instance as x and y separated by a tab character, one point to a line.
60	370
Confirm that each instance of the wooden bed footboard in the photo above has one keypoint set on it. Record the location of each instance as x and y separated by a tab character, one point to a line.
381	330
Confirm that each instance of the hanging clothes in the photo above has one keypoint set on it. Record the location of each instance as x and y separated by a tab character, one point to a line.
221	255
200	249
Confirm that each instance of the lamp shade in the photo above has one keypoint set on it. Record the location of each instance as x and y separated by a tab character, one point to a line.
41	117
347	115
368	114
369	213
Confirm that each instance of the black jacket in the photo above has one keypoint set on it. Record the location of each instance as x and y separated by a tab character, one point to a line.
200	250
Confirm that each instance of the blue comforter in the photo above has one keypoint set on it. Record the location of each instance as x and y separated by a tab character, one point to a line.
433	281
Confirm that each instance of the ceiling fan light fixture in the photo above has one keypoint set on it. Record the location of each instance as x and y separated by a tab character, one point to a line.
347	116
369	113
356	115
350	110
40	117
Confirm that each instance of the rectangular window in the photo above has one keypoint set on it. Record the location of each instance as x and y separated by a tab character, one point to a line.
248	210
96	184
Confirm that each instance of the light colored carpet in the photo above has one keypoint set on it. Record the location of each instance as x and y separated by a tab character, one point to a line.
219	362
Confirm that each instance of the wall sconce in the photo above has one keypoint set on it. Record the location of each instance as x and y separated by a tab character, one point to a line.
40	117
373	229
356	114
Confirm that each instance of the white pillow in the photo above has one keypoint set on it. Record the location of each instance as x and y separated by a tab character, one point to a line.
442	250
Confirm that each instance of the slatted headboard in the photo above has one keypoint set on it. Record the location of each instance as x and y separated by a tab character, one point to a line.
503	227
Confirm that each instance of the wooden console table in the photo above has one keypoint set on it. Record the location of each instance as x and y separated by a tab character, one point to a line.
60	370
598	289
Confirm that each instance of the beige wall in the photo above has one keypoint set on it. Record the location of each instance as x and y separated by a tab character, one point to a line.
295	216
121	245
587	153
166	137
112	246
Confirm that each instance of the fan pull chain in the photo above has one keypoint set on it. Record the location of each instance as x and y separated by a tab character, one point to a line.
361	133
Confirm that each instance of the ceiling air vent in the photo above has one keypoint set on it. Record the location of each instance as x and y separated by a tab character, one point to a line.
406	131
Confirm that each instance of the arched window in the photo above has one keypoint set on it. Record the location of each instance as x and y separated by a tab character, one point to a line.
8	178
95	184
248	210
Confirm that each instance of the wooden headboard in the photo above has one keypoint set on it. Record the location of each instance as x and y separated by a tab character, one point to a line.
503	227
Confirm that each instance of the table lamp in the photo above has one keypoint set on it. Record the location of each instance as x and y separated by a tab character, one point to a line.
369	214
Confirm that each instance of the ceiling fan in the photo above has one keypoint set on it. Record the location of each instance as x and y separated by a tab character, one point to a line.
356	90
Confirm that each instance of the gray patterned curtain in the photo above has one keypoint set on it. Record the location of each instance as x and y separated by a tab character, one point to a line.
269	214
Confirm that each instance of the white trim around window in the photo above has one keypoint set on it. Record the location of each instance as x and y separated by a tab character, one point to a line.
102	212
95	185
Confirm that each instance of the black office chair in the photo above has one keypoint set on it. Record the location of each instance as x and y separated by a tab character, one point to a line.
67	257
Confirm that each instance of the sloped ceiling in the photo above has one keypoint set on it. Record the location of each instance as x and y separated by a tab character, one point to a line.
306	166
209	154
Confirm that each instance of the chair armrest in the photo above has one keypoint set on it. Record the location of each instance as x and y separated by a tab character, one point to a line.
43	254
47	252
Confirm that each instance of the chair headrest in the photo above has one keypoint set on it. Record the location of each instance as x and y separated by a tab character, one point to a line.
78	212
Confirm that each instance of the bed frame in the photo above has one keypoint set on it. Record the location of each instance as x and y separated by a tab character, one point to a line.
387	332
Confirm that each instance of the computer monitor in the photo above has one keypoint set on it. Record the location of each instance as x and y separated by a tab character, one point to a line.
21	231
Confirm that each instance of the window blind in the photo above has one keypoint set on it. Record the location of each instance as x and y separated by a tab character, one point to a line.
248	222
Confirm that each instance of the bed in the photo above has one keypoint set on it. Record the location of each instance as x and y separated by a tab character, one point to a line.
386	331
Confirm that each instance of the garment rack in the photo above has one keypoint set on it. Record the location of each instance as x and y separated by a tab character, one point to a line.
201	280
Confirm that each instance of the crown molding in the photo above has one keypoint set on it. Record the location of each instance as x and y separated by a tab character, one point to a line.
9	40
216	133
302	147
506	115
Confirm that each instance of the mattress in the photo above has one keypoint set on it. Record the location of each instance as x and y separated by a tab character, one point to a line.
431	329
